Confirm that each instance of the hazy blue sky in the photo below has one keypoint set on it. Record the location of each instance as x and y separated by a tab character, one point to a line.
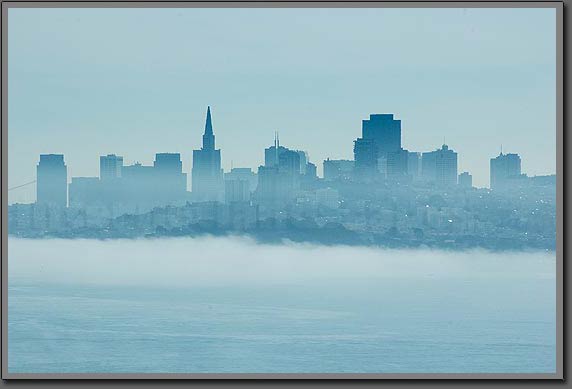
86	82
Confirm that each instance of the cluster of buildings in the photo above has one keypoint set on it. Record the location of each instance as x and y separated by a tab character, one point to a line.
385	189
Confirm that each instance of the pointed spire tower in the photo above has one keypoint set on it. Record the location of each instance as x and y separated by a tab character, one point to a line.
207	175
208	137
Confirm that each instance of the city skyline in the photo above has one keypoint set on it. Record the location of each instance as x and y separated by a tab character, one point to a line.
439	71
375	127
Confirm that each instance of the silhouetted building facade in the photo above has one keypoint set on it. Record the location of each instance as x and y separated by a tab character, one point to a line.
239	184
440	166
465	180
396	164
110	167
207	175
378	153
505	169
169	177
385	131
51	180
366	158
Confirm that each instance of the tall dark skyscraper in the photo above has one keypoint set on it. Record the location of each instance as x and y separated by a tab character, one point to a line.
52	180
504	170
207	175
385	131
365	156
379	145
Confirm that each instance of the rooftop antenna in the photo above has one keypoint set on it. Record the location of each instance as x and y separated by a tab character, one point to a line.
276	144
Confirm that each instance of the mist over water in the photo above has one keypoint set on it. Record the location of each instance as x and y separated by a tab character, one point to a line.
222	261
208	304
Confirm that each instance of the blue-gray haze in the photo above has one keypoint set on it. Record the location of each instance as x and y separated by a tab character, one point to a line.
477	77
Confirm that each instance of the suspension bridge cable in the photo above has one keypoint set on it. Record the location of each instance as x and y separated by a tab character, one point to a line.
19	186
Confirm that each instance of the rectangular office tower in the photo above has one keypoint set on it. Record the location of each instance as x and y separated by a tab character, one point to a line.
169	176
366	159
110	167
52	180
440	166
504	170
385	131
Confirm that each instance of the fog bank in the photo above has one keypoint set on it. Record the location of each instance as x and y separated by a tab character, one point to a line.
233	261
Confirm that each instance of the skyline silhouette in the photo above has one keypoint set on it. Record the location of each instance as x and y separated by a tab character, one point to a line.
381	128
478	77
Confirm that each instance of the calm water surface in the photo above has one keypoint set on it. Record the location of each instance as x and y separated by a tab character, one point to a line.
454	324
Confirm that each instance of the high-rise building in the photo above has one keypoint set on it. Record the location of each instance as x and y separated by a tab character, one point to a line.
268	189
366	158
396	164
311	171
278	182
465	180
137	188
52	180
385	131
338	169
440	166
245	174
272	153
169	177
303	160
289	170
239	184
207	175
110	167
504	170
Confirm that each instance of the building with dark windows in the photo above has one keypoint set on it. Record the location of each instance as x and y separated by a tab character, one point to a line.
110	167
440	166
504	170
207	175
378	153
465	180
366	159
52	181
385	131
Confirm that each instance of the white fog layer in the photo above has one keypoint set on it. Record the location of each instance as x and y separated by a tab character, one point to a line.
223	261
